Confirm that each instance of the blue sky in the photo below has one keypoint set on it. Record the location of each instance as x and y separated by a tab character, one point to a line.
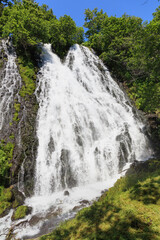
139	8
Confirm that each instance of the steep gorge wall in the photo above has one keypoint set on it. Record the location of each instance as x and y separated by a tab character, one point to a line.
18	122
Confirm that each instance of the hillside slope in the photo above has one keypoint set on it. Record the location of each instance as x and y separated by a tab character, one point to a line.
129	210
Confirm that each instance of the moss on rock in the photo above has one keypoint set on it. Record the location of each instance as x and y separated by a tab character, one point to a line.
5	200
17	107
27	71
18	197
21	212
6	154
10	198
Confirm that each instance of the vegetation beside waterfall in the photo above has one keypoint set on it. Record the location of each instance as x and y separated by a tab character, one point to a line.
6	155
129	210
130	48
29	24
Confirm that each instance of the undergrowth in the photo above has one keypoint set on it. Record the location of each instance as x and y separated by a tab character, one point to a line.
5	199
6	154
28	73
127	211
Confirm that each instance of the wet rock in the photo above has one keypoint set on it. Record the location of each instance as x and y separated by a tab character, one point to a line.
125	143
66	193
76	208
139	166
53	212
5	212
51	146
67	175
105	190
21	212
84	202
79	141
34	220
24	129
154	125
122	155
18	196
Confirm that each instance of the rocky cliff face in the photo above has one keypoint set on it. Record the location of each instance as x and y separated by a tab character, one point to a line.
17	120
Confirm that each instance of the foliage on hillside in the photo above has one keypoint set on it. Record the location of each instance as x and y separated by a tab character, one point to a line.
131	50
3	3
64	34
129	210
29	24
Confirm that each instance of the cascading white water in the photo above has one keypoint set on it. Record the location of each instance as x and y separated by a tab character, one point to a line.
87	133
11	81
86	127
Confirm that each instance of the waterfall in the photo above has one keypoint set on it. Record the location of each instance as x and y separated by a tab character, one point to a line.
87	133
10	85
86	129
10	82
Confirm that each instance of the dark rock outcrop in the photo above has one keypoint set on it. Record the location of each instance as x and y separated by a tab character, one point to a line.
19	125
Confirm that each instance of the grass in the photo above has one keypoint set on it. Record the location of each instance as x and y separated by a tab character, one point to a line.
128	211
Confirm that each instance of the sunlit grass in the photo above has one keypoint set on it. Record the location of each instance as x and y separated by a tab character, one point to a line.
128	211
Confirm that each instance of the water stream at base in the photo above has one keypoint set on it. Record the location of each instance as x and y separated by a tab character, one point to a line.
87	132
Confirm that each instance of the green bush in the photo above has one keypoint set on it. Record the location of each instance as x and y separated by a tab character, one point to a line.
6	154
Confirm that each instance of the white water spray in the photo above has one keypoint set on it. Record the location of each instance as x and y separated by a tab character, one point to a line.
86	128
11	81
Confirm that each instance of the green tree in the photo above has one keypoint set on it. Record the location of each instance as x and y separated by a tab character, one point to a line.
93	21
31	24
152	46
3	4
131	50
27	22
63	34
79	35
113	39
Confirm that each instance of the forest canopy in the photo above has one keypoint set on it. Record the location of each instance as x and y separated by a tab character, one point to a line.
131	50
31	24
